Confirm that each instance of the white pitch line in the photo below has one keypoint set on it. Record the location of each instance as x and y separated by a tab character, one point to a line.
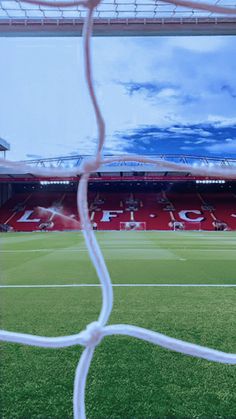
116	248
118	285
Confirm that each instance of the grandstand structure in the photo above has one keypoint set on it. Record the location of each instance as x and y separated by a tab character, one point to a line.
4	147
122	196
134	179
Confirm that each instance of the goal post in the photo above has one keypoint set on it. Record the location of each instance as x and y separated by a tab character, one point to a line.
192	226
186	226
132	225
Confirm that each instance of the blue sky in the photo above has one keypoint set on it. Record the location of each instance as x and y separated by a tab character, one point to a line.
158	95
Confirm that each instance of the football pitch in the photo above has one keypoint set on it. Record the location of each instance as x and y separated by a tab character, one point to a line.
182	284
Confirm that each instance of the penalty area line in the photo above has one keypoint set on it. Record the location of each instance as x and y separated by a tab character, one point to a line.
119	285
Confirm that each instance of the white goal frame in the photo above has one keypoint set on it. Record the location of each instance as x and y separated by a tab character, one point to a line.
118	27
193	226
132	225
116	18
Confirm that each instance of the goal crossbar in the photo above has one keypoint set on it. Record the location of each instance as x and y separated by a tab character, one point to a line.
56	27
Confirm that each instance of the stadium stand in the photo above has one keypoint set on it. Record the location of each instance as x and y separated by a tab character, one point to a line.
113	210
121	196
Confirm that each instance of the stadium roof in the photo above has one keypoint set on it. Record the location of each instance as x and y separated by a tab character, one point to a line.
116	169
68	162
4	145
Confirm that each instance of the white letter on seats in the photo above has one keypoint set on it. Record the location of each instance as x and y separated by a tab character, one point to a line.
184	216
25	218
107	215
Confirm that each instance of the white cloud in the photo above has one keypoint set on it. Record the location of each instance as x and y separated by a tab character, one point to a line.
191	131
199	44
185	148
230	147
202	141
115	145
45	107
221	121
167	93
182	130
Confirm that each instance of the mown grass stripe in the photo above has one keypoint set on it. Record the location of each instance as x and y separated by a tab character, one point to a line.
118	285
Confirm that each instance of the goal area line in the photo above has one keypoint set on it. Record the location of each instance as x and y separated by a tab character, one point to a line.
119	285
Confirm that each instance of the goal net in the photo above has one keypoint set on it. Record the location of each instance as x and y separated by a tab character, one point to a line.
185	225
116	17
194	226
97	330
132	225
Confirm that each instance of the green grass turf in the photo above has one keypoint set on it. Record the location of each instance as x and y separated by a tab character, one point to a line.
128	378
132	257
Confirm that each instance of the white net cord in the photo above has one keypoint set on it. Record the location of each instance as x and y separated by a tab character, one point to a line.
97	330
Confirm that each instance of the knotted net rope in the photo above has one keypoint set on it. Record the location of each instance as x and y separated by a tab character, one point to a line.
97	330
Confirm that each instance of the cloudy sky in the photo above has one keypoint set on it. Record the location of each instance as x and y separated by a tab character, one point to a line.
158	95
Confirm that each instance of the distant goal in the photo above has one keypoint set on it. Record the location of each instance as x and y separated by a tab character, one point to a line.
132	225
185	226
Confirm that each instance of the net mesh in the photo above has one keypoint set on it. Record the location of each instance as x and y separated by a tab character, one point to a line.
132	225
120	9
97	330
116	17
